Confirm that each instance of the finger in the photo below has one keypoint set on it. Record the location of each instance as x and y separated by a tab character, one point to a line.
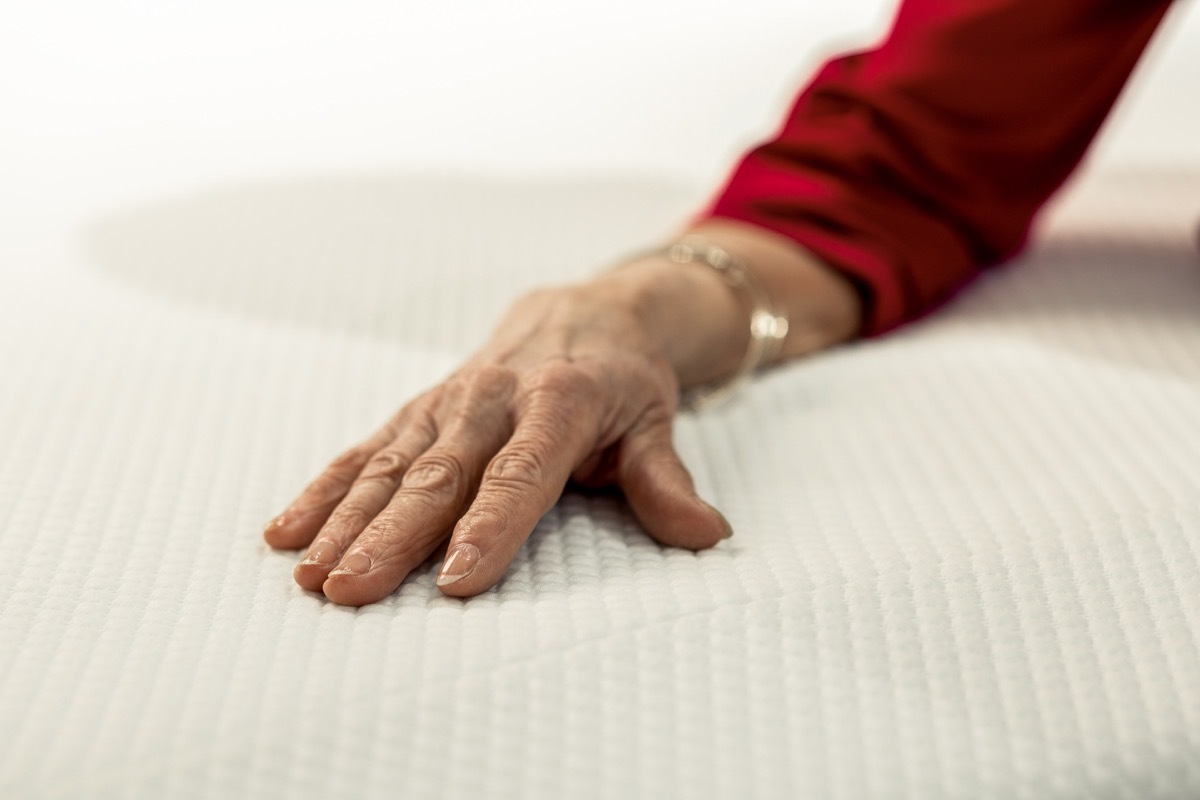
370	493
297	525
660	489
521	484
432	494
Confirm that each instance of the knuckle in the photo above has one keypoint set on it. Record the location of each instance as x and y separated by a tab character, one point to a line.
564	380
479	393
380	534
386	466
436	474
486	523
488	381
392	538
518	467
560	395
384	541
350	515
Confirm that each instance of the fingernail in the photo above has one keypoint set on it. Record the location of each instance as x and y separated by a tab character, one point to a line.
277	522
459	563
353	564
323	554
727	528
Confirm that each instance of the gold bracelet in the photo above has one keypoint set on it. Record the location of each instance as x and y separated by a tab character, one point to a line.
767	327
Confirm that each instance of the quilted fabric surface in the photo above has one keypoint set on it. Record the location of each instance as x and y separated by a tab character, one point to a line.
966	561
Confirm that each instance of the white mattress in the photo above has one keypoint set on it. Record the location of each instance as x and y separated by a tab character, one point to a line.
966	560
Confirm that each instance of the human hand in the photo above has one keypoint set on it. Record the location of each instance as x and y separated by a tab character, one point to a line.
577	384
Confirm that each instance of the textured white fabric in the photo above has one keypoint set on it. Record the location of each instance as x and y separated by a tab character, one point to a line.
966	561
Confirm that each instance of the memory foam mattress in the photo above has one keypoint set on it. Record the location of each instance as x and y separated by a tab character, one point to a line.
966	560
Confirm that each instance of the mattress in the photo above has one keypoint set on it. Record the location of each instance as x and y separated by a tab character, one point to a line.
966	560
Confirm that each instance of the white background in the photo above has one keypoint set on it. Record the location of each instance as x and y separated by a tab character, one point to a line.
127	99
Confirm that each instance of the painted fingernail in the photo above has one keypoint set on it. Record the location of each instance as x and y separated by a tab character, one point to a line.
353	564
323	554
459	563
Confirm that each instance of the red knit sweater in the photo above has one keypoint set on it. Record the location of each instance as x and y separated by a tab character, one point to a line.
911	166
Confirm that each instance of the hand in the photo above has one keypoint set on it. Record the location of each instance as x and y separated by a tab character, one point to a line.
578	383
572	386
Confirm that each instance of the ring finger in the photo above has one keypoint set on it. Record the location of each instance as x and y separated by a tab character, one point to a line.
372	490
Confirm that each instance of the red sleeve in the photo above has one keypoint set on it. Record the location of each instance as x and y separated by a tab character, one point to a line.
911	166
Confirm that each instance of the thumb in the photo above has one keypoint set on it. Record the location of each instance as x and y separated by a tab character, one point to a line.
660	490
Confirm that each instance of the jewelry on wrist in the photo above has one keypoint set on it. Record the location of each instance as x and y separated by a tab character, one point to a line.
767	326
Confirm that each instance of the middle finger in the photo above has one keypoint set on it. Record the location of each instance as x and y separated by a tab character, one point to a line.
433	493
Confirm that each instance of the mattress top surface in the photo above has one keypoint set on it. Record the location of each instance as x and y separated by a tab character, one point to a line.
966	561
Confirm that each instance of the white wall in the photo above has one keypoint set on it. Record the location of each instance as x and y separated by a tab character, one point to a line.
145	93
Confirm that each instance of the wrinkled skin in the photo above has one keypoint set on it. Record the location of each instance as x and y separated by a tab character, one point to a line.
571	387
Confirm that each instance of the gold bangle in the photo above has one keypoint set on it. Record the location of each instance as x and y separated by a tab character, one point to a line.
767	327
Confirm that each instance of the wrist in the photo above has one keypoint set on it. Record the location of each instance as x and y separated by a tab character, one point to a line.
822	306
687	313
701	325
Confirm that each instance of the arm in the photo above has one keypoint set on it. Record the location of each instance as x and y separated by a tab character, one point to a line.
911	166
898	174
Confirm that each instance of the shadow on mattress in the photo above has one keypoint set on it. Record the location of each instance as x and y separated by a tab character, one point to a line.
432	259
424	259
